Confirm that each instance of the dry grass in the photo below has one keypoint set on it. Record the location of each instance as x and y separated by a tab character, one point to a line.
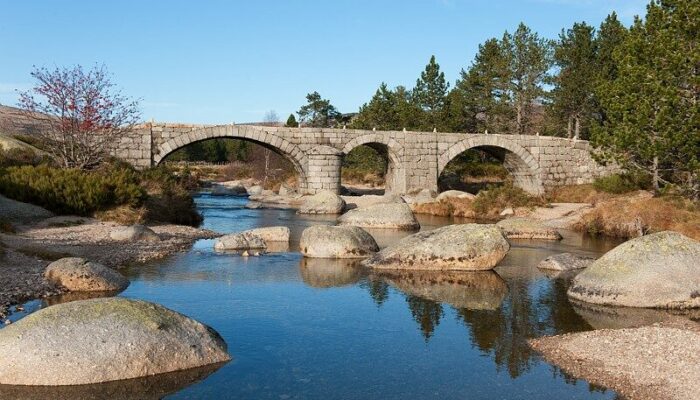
123	215
450	206
577	194
630	216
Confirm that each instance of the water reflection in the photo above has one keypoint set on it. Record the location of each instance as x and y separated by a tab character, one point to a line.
472	290
152	387
603	317
326	273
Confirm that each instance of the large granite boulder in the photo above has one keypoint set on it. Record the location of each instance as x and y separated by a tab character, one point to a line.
134	233
322	241
367	200
239	242
271	233
325	202
467	247
525	228
661	270
255	190
80	275
101	340
382	216
565	262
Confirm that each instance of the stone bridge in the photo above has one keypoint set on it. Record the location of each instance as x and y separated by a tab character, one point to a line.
415	159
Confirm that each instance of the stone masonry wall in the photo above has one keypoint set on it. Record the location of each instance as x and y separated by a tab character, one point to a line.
416	158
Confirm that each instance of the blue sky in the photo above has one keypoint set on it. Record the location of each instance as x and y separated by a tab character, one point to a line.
232	61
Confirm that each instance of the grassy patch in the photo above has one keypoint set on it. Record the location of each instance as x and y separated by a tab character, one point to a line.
490	202
621	183
630	216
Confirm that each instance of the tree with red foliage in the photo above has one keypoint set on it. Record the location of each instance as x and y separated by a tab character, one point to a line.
83	117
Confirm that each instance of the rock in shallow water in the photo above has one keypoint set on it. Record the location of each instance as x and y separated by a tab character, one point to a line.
324	202
467	247
565	262
102	340
80	275
381	216
323	241
525	228
239	241
661	270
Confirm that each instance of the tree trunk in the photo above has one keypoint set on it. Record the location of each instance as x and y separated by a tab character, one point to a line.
655	174
569	127
519	119
577	127
267	165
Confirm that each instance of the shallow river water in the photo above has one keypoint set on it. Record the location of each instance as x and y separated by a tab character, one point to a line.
320	329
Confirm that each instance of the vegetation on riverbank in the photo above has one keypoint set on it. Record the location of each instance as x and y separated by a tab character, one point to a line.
115	191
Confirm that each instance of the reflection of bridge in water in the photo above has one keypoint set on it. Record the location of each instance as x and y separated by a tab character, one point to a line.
415	159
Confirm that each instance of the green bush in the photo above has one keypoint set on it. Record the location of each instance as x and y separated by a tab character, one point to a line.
621	183
71	191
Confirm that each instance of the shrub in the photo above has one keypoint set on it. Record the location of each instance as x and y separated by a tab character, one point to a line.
19	156
114	191
621	183
494	199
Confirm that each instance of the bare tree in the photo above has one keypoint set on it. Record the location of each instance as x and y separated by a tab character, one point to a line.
83	117
271	118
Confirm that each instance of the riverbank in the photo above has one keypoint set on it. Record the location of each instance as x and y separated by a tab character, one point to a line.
661	361
32	244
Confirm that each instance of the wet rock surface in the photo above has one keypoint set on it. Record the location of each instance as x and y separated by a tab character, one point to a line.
565	262
324	202
526	228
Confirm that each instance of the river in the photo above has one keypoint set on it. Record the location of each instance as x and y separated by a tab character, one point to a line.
319	329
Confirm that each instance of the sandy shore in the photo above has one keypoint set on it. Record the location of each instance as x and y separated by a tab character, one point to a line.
34	246
661	361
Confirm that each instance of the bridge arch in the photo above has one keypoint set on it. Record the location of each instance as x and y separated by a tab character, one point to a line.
258	135
516	159
395	179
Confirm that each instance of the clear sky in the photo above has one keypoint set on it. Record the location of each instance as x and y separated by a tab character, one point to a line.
232	61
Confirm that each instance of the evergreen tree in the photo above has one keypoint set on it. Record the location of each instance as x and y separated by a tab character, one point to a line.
430	92
291	122
381	112
529	60
480	99
608	38
573	93
318	112
652	109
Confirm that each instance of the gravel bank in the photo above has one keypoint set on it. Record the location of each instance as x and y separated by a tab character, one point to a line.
33	247
653	362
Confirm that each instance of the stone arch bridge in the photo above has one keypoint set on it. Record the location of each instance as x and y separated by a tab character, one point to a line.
415	159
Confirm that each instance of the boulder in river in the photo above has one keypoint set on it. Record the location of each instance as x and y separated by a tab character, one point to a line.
102	340
661	270
385	216
565	262
454	194
324	202
322	241
239	241
466	247
525	228
255	190
134	233
80	275
271	233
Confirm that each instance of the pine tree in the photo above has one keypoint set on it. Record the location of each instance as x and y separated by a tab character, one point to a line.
479	101
430	92
573	93
318	112
291	122
608	38
529	59
381	112
652	108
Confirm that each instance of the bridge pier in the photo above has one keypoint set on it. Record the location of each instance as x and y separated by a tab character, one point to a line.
324	169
